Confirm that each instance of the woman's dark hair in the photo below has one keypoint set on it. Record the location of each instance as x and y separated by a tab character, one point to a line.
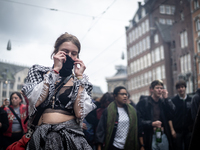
106	99
18	94
156	82
117	89
180	83
66	38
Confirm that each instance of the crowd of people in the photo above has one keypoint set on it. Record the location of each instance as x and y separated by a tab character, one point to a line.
55	110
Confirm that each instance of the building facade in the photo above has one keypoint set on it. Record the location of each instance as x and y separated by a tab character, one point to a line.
12	78
119	79
157	46
183	50
195	10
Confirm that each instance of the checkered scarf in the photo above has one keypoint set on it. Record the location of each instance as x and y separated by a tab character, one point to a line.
35	76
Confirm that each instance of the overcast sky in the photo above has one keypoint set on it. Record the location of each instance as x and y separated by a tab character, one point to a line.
33	27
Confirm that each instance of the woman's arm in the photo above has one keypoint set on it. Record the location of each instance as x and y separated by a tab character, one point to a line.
38	86
81	97
77	106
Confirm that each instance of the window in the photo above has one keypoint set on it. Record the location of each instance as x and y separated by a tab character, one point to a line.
140	32
158	73
142	79
168	10
143	28
136	18
156	40
19	86
157	55
145	61
149	59
4	85
133	35
169	21
197	24
162	53
136	33
146	78
172	10
196	4
143	44
140	45
182	65
162	9
189	63
147	25
199	66
11	85
4	94
185	63
137	49
198	46
150	77
154	74
162	21
163	71
143	12
184	39
134	51
142	63
148	42
19	79
152	57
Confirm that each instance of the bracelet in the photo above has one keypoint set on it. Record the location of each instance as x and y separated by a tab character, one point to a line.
142	145
79	78
56	71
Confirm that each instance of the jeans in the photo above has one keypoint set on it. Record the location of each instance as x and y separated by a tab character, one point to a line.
164	145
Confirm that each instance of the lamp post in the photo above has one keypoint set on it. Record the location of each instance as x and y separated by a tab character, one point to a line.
9	45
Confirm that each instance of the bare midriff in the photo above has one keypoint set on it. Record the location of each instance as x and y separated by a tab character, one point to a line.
54	118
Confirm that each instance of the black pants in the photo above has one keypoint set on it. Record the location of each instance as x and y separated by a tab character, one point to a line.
115	148
182	141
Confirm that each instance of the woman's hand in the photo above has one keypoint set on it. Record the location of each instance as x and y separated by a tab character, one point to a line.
59	59
79	67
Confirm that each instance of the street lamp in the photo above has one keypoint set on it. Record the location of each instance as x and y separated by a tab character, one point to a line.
9	45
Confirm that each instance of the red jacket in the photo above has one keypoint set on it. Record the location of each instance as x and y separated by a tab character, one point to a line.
23	115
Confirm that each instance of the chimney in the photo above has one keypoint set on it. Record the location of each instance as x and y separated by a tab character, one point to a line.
139	4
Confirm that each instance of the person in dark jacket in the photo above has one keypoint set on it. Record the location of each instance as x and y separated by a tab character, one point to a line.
154	112
117	128
4	124
195	111
181	124
195	104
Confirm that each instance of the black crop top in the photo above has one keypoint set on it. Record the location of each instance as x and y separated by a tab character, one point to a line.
60	102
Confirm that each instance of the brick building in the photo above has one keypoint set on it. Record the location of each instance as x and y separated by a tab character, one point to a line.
195	10
157	46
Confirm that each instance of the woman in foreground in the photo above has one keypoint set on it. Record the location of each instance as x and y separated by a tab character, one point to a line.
62	98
